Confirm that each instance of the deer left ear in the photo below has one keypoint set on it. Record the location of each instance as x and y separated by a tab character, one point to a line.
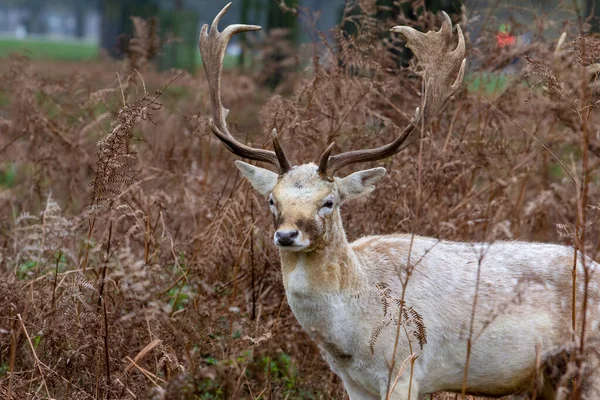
261	179
359	183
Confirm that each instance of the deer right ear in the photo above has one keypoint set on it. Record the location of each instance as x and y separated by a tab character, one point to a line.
359	183
261	179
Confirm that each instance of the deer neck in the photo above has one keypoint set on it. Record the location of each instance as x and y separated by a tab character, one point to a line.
330	268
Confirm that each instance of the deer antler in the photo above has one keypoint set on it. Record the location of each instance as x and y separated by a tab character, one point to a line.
443	75
212	50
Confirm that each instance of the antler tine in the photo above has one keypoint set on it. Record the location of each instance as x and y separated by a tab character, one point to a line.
443	74
324	160
283	161
212	45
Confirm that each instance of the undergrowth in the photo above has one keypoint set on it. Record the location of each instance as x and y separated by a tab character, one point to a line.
134	261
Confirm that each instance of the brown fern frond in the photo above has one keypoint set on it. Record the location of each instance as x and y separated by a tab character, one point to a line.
420	331
375	333
404	315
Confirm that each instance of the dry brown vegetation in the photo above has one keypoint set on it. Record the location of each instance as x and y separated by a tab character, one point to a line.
134	261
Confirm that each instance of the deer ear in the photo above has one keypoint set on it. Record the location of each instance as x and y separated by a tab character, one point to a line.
261	179
359	183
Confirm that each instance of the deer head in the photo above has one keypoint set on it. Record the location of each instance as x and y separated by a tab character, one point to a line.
305	199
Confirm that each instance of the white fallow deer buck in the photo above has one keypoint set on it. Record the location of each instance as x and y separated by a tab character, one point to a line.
334	288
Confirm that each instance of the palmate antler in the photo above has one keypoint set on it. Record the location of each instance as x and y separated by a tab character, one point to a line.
212	50
443	75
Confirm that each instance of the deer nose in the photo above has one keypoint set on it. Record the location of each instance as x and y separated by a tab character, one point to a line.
286	238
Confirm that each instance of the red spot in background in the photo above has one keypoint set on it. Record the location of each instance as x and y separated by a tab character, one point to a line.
505	39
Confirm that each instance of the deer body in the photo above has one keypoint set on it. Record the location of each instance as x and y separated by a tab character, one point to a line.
442	289
523	302
376	304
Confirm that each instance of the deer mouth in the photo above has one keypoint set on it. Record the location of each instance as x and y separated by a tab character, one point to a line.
292	245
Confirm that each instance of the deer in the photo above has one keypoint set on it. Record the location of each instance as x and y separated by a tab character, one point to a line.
335	289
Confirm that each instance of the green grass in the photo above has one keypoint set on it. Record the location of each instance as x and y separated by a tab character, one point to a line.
41	49
487	82
72	50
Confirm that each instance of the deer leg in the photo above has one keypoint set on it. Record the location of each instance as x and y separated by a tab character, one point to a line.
356	392
547	391
591	383
591	390
354	389
401	390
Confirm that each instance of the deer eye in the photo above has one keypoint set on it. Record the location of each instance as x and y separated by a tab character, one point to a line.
328	204
271	202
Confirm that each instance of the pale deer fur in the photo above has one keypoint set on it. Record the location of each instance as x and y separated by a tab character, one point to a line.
524	296
523	290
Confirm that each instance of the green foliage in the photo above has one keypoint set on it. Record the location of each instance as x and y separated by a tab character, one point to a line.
36	341
8	176
211	361
282	370
4	99
179	298
4	368
556	171
26	269
209	389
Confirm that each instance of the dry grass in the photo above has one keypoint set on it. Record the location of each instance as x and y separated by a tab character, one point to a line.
135	263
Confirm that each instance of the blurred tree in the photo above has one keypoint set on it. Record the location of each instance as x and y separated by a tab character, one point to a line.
244	11
181	25
593	10
279	18
450	6
34	22
80	9
391	9
116	20
252	12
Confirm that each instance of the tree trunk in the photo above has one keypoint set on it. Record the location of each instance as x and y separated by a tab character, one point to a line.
389	10
35	22
116	20
593	10
79	20
111	25
450	6
243	20
278	18
183	52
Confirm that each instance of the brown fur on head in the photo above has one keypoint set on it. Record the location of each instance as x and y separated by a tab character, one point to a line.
305	205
